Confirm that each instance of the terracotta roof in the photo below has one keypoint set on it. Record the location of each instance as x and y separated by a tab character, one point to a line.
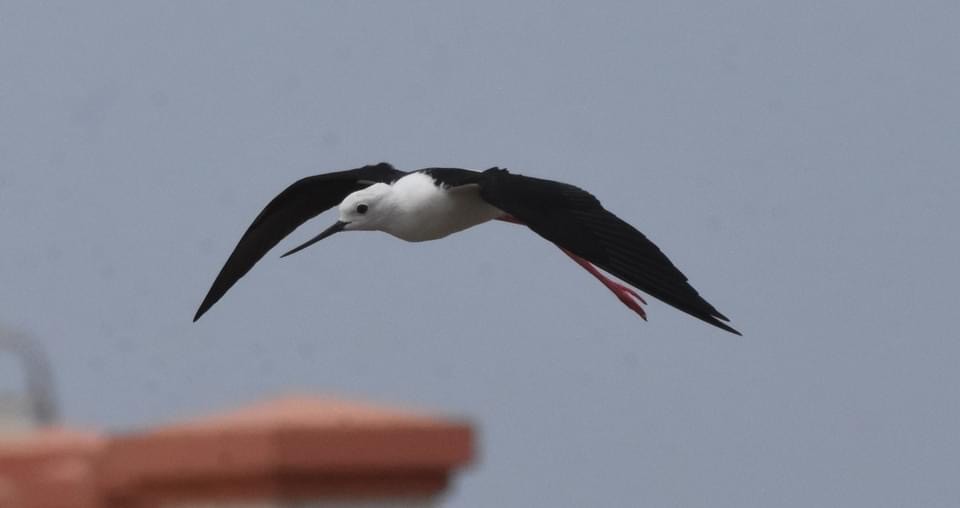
50	441
50	468
304	411
325	444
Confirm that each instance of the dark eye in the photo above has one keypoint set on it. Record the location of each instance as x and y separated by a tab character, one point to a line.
361	208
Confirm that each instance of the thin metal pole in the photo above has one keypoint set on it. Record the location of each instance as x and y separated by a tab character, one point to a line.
38	376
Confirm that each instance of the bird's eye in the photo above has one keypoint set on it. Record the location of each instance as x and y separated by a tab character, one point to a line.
361	208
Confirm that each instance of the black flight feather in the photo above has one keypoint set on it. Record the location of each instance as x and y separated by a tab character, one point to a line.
298	203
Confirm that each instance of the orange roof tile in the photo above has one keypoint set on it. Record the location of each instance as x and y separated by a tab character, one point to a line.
296	437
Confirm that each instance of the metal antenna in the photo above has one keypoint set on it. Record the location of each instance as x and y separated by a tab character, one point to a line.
37	375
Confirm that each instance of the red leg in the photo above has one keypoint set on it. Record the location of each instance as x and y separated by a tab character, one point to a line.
628	296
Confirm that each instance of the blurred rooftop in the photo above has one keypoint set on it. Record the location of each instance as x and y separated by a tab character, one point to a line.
288	450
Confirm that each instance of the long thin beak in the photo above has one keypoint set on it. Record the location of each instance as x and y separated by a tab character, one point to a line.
336	228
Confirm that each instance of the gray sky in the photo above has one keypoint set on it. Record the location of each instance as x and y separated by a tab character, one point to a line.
799	163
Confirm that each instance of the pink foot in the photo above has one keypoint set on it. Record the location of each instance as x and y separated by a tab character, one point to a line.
628	296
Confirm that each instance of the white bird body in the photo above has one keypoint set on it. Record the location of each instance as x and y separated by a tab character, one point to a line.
415	208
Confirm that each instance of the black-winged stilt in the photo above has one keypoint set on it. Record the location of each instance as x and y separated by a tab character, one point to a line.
432	203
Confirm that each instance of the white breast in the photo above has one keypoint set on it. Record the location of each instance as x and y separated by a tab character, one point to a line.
425	211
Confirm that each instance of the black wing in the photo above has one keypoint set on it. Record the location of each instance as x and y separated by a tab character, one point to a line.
297	204
573	219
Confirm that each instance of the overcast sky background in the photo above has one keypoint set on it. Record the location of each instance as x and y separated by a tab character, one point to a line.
798	162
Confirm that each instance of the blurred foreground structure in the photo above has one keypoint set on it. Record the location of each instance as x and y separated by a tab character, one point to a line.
37	406
292	452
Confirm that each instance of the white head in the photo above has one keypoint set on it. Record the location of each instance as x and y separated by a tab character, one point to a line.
364	210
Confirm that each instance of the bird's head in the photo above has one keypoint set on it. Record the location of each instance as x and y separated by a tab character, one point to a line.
363	210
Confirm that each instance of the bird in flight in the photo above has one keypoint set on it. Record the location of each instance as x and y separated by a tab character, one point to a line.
431	203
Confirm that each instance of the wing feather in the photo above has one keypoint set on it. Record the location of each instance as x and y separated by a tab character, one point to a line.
297	204
575	220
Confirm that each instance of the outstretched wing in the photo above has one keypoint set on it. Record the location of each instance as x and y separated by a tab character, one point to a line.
573	219
297	204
